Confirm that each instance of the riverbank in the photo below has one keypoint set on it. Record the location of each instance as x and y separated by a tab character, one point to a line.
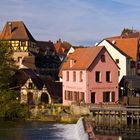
58	113
68	119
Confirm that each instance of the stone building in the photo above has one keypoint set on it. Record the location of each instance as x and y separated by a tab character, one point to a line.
35	89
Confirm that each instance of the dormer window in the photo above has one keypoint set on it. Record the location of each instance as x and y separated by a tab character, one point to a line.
72	62
117	61
103	58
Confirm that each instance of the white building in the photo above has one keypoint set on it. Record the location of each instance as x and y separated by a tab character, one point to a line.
122	59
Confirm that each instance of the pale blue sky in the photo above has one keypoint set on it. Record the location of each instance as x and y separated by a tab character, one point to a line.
80	22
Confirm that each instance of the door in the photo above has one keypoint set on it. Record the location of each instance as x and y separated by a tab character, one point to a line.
93	97
44	98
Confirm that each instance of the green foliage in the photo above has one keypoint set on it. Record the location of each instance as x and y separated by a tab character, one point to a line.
127	31
7	66
66	44
10	106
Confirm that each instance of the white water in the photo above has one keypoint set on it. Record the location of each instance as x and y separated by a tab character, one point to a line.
42	131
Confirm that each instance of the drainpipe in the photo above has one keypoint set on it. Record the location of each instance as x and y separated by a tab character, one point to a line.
87	93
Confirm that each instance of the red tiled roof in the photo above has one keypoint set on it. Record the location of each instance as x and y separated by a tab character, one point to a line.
29	62
22	75
59	48
127	45
46	45
83	58
15	30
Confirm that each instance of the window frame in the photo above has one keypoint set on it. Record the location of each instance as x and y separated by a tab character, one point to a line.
81	76
103	58
108	76
67	75
74	76
117	61
98	76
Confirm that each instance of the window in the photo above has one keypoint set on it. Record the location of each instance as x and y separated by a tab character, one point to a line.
113	96
117	61
82	96
103	58
30	85
19	59
81	76
67	76
108	76
23	43
93	94
76	96
68	95
71	96
106	96
65	95
118	73
98	76
74	76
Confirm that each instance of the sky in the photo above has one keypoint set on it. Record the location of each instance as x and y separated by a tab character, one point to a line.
80	22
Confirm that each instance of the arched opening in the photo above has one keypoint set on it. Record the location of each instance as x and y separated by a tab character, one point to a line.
30	99
44	98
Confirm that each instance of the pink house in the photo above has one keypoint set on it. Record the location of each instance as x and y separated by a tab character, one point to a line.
89	75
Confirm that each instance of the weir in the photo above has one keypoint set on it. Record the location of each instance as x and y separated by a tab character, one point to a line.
116	117
81	132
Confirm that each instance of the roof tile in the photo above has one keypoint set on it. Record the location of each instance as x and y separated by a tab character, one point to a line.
16	30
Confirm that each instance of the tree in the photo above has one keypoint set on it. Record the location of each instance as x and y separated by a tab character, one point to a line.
10	107
66	44
7	67
127	31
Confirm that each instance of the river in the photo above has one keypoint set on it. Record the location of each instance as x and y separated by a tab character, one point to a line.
36	131
47	131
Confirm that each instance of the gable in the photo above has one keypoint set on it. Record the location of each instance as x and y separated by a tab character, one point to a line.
127	45
81	59
113	50
26	85
109	61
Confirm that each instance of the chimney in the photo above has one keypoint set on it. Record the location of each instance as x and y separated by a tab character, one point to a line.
10	27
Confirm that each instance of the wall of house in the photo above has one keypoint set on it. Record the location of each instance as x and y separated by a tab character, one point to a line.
18	56
123	62
89	85
74	86
103	85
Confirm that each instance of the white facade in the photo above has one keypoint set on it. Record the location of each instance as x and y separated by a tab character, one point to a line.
123	61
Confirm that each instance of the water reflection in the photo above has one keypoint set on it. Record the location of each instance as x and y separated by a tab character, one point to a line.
124	134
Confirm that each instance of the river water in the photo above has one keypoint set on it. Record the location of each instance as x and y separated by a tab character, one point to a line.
36	131
47	131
